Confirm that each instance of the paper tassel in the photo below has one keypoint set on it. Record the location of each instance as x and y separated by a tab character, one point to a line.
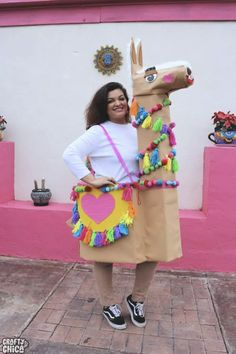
146	161
75	214
131	210
168	165
83	233
147	123
134	107
110	235
88	236
123	229
157	127
98	240
91	243
104	238
175	165
127	219
74	195
154	157
117	233
127	194
78	232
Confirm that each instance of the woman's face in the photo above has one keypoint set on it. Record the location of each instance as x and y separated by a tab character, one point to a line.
117	106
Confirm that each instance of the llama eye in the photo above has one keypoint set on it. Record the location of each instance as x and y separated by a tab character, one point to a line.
151	77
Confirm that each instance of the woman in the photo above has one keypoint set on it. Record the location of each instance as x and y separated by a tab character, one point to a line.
109	107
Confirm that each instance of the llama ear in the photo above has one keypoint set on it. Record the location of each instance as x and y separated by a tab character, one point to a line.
136	60
140	54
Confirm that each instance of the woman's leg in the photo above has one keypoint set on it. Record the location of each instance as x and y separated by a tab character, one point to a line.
143	276
103	278
144	273
111	311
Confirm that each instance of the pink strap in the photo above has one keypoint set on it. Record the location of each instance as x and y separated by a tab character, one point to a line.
122	162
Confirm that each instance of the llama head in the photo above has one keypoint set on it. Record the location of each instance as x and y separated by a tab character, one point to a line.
161	79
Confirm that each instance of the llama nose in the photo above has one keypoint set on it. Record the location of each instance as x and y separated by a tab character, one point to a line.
189	71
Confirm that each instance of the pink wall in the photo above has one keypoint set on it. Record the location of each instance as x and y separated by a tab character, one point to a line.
209	236
36	12
6	171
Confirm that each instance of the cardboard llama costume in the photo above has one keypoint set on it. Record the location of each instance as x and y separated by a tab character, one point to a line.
138	221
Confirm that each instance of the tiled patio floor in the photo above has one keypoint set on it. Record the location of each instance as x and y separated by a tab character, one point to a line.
181	311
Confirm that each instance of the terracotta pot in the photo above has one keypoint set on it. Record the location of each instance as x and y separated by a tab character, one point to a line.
41	197
223	137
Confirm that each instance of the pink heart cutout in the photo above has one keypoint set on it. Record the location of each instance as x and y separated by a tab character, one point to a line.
98	209
168	78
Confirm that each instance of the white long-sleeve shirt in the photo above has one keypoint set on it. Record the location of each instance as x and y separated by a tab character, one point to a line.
94	143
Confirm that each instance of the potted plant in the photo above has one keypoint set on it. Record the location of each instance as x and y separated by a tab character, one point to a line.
40	196
225	128
3	122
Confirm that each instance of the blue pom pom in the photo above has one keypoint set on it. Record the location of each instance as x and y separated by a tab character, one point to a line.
159	182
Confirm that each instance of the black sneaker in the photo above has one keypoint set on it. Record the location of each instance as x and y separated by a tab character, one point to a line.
114	317
136	312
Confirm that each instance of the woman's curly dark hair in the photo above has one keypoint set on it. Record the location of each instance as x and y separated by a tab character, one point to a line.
96	112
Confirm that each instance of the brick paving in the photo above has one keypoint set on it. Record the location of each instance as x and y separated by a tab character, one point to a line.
181	316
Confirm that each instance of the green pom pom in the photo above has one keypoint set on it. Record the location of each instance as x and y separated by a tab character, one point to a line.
159	163
163	137
166	102
152	168
156	141
146	171
141	182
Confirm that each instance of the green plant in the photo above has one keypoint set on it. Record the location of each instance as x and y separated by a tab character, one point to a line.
3	122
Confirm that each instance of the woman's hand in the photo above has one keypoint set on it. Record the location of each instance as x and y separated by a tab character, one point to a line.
98	182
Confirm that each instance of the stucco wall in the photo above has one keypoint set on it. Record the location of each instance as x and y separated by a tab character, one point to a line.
48	77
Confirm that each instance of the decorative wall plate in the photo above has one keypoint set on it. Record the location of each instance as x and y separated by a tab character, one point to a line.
108	60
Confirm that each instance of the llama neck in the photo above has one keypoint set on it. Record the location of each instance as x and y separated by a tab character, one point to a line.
145	136
149	101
